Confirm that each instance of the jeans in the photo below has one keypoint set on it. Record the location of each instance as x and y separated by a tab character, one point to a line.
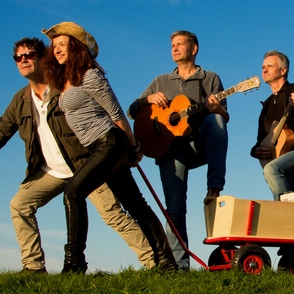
279	174
209	145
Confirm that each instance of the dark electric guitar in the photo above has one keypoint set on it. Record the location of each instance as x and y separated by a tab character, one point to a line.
156	127
280	139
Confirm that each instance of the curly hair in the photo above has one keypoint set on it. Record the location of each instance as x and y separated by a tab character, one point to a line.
32	44
79	61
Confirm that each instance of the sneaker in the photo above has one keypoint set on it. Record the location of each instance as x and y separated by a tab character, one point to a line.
34	271
212	193
74	268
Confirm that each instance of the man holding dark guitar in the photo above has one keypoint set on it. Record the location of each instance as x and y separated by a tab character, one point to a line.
276	124
206	142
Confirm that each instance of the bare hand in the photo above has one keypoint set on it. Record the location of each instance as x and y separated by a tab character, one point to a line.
263	153
135	158
291	99
158	99
213	104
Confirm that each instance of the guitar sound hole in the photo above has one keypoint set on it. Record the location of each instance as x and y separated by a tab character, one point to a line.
174	119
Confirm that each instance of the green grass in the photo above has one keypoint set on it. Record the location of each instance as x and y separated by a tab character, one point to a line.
152	281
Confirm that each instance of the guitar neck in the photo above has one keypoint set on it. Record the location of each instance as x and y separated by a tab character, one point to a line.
222	95
201	105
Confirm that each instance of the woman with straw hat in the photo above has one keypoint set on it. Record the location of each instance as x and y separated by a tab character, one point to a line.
95	115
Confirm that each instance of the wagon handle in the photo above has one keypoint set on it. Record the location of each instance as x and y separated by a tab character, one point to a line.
169	219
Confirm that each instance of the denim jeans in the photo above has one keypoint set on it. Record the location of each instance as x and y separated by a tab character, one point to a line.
279	174
209	145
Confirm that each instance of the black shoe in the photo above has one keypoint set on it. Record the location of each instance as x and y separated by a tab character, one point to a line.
168	266
285	249
74	268
34	271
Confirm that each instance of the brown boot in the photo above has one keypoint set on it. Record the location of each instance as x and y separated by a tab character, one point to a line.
212	193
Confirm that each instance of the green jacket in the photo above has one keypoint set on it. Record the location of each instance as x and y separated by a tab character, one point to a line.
18	116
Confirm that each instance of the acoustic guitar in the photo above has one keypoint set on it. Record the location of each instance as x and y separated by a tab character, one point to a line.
156	127
280	139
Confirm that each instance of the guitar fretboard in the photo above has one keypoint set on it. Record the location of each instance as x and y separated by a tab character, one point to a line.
201	105
221	95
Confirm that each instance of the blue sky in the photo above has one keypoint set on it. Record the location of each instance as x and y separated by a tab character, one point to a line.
133	37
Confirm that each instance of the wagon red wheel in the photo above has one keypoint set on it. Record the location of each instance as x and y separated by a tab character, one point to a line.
286	263
253	264
251	258
222	255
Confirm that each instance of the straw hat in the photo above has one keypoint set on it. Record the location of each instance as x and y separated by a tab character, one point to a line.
72	29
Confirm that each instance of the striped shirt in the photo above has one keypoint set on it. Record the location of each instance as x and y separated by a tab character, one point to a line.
91	108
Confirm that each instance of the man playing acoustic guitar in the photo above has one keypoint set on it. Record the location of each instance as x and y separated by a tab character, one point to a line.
205	144
276	124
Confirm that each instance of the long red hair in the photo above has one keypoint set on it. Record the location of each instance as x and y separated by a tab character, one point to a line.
79	61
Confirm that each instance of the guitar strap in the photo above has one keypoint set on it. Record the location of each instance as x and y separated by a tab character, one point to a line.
196	119
290	89
200	91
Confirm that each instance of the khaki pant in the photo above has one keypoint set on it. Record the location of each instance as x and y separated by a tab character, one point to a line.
42	188
113	215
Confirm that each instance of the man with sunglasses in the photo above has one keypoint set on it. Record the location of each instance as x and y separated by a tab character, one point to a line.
53	153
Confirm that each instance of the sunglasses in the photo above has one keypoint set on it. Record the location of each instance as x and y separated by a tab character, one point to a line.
27	55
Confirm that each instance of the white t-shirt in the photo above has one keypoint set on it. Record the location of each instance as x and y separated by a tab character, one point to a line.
55	164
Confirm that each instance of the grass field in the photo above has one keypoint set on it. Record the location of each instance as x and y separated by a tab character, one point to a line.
152	281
